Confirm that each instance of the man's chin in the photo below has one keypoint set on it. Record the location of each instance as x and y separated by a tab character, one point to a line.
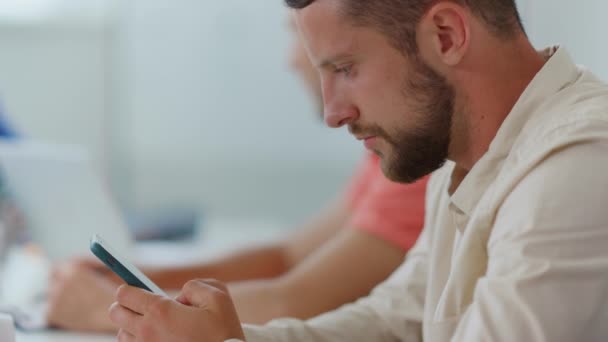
388	168
399	177
377	153
398	173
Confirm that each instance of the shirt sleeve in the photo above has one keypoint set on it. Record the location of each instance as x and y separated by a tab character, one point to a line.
393	311
547	274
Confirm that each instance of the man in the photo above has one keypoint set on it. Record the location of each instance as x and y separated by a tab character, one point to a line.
515	244
316	270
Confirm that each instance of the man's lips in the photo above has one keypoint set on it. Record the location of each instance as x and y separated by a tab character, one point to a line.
369	142
363	137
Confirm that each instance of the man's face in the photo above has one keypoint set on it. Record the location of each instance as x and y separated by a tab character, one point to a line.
397	105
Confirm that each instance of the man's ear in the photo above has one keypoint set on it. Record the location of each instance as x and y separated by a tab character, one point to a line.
443	34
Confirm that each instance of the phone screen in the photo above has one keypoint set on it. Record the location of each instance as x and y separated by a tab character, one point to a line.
125	270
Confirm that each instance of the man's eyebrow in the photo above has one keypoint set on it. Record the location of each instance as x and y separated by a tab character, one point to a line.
331	61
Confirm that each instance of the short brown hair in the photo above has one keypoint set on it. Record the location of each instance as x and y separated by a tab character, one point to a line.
397	19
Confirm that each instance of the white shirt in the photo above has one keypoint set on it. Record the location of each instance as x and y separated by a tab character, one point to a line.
519	252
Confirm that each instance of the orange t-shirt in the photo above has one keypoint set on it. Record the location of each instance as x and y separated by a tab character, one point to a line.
389	210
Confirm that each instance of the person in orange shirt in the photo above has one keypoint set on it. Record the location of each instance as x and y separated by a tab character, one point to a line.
336	258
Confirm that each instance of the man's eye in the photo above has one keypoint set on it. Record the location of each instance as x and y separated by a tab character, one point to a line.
343	70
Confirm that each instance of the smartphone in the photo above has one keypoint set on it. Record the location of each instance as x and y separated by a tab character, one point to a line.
124	269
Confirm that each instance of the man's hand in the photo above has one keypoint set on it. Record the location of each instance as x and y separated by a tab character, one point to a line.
202	312
79	297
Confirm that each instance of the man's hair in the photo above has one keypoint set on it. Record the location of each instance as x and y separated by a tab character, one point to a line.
397	19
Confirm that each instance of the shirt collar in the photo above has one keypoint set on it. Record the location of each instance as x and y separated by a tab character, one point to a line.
556	74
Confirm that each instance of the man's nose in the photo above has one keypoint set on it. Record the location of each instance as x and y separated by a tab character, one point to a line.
337	114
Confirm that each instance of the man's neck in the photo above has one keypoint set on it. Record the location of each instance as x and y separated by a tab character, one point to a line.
490	90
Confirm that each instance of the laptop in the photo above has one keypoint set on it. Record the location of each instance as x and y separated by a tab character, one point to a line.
64	202
62	198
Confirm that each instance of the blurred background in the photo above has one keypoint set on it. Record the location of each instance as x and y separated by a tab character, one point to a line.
191	104
182	103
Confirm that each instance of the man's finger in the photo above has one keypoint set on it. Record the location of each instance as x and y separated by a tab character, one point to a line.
124	318
135	299
201	292
215	284
124	336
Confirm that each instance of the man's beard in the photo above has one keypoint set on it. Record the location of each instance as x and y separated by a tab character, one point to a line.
418	151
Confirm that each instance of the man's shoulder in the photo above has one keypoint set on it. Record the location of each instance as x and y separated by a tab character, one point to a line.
576	113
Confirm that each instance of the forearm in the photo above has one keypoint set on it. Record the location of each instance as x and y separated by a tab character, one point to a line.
336	274
392	312
359	322
261	262
259	301
345	269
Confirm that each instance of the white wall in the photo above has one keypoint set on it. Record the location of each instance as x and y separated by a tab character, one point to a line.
189	102
578	25
213	116
52	82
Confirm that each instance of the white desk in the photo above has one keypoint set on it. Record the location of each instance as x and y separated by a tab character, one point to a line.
219	237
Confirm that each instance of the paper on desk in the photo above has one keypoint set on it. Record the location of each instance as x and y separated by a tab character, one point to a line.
23	289
30	319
